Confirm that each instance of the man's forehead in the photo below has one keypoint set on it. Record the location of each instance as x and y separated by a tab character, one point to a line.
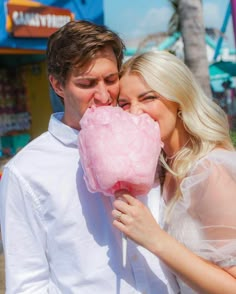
106	53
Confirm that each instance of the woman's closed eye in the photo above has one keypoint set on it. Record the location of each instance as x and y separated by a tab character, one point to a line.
144	99
123	104
149	98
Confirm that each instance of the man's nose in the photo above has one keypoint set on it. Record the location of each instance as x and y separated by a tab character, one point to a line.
102	95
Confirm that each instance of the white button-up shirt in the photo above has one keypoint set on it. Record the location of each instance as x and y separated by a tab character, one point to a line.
58	237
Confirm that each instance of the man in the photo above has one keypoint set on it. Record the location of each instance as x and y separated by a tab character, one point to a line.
58	237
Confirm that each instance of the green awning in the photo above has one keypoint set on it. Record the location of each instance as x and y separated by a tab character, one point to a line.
222	72
217	85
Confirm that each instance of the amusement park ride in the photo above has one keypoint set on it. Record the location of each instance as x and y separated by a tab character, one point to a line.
231	10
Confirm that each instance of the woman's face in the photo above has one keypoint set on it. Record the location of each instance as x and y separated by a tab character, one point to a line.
137	97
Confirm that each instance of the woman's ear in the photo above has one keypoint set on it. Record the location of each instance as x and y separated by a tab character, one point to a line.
57	87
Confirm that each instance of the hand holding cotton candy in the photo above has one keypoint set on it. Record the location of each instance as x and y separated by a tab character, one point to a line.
118	150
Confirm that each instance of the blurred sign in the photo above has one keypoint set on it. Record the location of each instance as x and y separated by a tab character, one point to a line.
36	22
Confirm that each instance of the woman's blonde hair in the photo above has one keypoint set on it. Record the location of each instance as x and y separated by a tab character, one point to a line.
205	122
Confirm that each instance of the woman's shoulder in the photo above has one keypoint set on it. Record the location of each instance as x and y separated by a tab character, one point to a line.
215	168
220	155
217	158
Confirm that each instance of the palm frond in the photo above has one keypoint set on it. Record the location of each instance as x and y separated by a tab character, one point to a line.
155	38
214	33
174	22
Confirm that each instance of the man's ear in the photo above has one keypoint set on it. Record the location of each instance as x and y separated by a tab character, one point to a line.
57	87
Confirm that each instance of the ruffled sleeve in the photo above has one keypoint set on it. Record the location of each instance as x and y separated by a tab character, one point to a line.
205	218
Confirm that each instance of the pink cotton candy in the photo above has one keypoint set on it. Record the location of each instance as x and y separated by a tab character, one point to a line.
118	150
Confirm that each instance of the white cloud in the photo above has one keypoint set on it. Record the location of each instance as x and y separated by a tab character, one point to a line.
214	18
155	20
136	25
212	15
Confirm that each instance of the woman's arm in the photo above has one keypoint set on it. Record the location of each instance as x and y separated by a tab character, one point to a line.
139	225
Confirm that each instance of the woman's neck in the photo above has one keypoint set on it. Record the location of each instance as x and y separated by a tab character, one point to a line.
178	140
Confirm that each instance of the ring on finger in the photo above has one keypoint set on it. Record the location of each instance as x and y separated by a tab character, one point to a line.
119	215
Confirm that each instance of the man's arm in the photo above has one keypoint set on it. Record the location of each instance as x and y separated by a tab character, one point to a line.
23	236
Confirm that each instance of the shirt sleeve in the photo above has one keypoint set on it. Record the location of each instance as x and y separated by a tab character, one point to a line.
209	194
24	240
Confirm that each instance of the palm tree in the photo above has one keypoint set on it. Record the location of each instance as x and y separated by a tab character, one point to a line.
188	19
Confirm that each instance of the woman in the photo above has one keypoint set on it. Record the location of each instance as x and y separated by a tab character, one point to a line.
197	175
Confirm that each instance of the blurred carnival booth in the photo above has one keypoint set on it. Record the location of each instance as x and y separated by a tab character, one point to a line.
223	84
26	101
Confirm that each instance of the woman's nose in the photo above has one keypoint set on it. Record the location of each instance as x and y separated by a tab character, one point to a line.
136	109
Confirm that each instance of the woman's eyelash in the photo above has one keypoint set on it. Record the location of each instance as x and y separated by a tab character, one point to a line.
122	104
150	97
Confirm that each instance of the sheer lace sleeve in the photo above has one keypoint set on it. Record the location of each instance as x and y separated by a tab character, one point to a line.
205	218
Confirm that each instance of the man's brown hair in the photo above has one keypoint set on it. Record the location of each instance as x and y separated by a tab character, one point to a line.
76	43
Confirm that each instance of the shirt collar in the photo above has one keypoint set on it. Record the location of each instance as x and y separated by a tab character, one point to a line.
61	131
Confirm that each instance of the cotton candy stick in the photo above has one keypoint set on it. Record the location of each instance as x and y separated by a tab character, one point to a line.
124	240
124	249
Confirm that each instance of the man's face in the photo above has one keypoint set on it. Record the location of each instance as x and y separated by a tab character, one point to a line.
98	85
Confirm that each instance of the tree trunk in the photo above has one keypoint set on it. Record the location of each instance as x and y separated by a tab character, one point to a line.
193	34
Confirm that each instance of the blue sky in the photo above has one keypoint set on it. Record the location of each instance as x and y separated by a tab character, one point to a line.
137	18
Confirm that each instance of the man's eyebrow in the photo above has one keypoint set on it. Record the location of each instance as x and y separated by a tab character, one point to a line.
113	74
87	77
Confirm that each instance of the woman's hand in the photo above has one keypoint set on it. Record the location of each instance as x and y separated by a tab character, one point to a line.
135	220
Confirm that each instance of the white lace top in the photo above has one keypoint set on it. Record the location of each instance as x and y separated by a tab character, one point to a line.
204	219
